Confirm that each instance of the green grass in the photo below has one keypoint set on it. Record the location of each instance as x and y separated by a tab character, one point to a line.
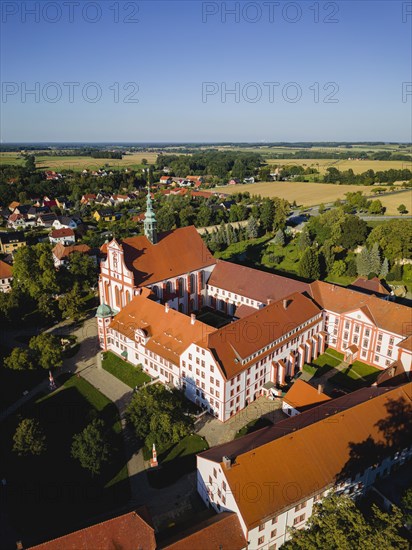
324	363
52	494
177	461
124	371
357	375
253	426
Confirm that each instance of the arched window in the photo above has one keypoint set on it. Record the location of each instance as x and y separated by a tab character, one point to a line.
106	293
117	297
127	297
181	283
192	283
169	287
155	290
202	280
192	305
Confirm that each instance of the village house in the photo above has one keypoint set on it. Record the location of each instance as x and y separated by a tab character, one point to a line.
65	236
88	199
12	241
64	222
46	220
105	215
6	276
62	253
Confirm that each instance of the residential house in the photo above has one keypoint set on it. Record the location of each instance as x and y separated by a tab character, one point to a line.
64	222
62	253
46	220
233	181
65	236
105	215
6	276
51	175
249	180
10	242
13	205
88	199
165	180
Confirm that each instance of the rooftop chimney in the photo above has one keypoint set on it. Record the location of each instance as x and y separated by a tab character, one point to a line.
285	304
269	301
166	307
192	318
19	545
320	388
226	462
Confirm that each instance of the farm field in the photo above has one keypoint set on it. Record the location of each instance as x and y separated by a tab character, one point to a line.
307	194
74	162
358	166
391	202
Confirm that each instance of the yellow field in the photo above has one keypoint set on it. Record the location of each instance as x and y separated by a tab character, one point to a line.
307	194
391	202
79	162
358	166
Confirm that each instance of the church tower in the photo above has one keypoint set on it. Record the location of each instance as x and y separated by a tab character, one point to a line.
150	223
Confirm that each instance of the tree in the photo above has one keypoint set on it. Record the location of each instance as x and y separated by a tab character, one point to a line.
165	218
159	416
402	209
19	359
83	270
90	447
363	262
71	304
29	438
384	269
267	213
375	207
48	350
374	259
328	256
352	231
407	506
303	241
339	268
252	228
321	208
394	238
309	264
279	238
204	216
144	162
337	524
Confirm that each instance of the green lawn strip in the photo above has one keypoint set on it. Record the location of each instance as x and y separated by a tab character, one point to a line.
253	426
124	371
356	376
334	353
177	461
54	485
323	363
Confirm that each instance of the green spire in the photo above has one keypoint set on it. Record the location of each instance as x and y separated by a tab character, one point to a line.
150	223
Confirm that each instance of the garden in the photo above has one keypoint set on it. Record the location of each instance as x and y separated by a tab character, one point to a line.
124	371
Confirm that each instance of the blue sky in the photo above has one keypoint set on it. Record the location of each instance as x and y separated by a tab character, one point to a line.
174	49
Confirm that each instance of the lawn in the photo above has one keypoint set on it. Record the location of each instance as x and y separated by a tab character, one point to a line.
324	363
213	318
51	494
253	426
356	376
177	461
124	371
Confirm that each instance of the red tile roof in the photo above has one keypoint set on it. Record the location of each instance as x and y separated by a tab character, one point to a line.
255	284
388	316
371	285
302	396
221	531
239	340
170	334
313	457
5	270
61	251
64	232
126	532
177	252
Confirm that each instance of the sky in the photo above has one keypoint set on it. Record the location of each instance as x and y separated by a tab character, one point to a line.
178	71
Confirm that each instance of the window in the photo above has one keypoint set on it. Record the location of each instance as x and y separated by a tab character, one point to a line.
212	368
214	473
378	349
380	335
223	499
224	485
217	383
346	324
367	332
389	353
217	394
274	520
262	527
212	380
299	519
261	540
357	328
300	506
345	336
391	341
273	534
